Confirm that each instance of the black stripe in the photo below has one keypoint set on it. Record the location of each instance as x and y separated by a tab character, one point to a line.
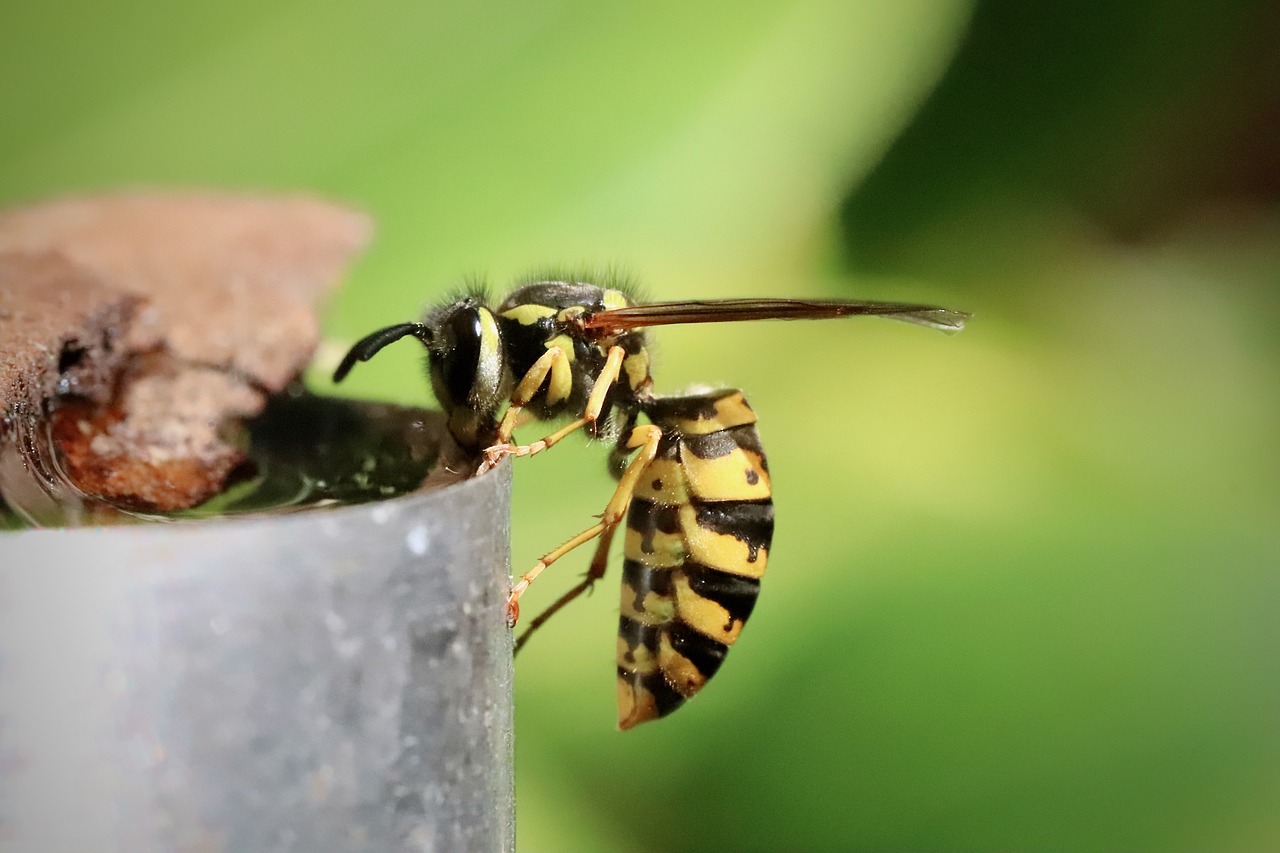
559	295
746	437
734	593
665	697
645	580
750	522
648	519
637	635
668	446
703	652
691	407
645	515
525	343
713	445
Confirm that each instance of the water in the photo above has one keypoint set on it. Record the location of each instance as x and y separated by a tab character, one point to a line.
305	452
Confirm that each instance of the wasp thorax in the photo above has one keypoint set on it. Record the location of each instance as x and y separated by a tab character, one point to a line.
468	364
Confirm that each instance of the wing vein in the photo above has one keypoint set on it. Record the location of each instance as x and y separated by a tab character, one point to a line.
620	320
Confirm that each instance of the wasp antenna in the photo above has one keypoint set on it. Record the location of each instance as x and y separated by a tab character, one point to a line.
368	346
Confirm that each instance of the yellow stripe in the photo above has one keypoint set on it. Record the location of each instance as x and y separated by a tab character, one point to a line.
718	550
654	609
736	476
635	704
636	367
671	489
528	314
489	364
730	411
614	299
668	549
642	660
704	615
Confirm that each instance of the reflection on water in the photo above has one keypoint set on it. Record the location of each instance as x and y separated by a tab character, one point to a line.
305	452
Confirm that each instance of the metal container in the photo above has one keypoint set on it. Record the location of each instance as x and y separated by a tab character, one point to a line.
331	680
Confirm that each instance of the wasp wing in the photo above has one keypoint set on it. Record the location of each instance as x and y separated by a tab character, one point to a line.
619	320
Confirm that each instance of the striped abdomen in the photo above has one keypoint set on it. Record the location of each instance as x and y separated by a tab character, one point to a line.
697	541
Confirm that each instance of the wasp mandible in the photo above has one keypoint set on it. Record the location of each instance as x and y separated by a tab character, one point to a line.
693	482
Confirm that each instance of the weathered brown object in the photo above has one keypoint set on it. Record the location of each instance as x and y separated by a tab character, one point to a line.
197	305
60	331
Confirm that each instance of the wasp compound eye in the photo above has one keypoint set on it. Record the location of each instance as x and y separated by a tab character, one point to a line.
470	359
459	354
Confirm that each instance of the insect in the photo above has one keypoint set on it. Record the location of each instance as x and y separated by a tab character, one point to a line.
693	483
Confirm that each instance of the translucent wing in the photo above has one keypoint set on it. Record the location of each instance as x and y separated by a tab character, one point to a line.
618	320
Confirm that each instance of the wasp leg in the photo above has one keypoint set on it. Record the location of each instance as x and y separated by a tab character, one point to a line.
595	403
523	419
617	465
529	385
517	590
645	438
598	565
551	363
618	455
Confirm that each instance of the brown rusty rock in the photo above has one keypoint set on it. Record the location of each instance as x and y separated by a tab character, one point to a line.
195	305
230	280
156	446
62	330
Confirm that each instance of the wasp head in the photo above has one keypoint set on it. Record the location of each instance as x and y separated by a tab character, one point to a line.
468	367
466	361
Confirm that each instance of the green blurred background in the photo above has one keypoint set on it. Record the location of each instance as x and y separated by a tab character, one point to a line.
1026	581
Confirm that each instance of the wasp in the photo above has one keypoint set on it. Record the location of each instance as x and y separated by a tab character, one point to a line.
693	482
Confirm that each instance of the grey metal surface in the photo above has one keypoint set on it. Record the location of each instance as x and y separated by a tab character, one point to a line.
328	681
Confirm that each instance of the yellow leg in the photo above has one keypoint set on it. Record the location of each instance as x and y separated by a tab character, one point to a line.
517	590
598	565
600	560
525	390
530	384
645	438
522	419
604	381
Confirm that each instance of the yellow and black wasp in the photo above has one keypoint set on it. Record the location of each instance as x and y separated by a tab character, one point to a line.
693	483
